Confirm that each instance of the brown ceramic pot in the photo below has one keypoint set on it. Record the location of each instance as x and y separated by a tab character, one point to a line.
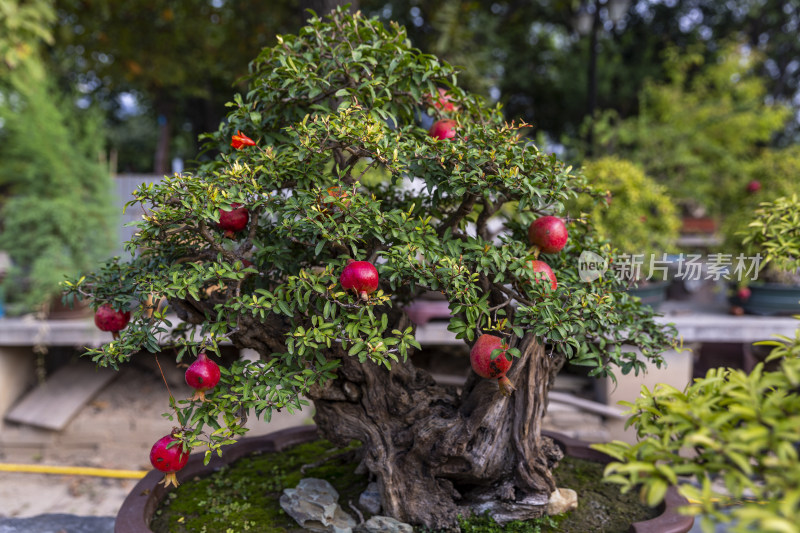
140	505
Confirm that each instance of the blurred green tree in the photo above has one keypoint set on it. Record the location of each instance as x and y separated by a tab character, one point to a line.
55	199
697	133
177	58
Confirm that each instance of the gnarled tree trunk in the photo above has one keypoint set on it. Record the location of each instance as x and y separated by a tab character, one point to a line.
437	454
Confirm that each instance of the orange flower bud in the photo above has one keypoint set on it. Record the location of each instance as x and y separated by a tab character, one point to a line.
240	140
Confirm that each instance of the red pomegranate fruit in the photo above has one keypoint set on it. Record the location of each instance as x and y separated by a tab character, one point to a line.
480	357
168	459
754	186
234	220
443	102
106	318
360	276
541	266
202	375
744	293
443	129
548	233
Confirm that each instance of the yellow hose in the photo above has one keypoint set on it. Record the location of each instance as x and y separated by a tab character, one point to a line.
73	471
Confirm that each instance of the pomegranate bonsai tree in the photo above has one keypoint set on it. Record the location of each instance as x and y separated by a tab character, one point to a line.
338	106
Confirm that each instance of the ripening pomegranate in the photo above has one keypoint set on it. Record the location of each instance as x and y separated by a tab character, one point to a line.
202	375
443	129
168	459
549	233
541	266
234	220
443	102
480	357
754	186
744	293
106	318
360	276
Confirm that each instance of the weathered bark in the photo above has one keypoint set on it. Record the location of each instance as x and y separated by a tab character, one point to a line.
437	454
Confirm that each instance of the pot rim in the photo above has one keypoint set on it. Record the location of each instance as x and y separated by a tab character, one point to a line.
139	506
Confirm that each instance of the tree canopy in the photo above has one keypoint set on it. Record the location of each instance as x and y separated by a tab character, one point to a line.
327	153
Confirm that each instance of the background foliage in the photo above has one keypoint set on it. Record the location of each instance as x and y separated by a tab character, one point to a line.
56	208
730	438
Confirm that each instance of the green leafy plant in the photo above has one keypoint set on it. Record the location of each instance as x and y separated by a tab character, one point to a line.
340	101
638	216
697	133
774	232
56	211
771	230
730	439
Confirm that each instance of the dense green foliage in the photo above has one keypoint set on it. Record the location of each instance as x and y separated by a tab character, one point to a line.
698	133
730	439
55	198
326	106
178	59
776	170
774	233
530	54
638	216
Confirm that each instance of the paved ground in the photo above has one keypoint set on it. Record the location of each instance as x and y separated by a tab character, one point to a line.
115	430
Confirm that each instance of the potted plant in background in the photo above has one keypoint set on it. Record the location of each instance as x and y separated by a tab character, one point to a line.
741	428
772	183
637	217
773	235
56	203
312	280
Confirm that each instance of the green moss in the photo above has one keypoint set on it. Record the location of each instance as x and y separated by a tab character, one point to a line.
601	507
244	496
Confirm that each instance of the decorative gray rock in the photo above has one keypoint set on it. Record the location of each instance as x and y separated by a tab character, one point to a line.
313	504
370	499
385	524
561	501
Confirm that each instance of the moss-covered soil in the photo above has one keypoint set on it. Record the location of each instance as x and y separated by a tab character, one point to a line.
244	496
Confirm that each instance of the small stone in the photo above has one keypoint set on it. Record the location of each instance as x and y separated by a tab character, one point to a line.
370	499
385	524
561	501
313	505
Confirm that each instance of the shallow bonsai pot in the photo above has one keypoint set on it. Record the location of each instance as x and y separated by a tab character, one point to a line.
695	225
141	503
769	299
57	310
652	294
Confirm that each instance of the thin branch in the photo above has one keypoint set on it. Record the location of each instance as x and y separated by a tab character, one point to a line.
511	294
202	228
458	215
489	209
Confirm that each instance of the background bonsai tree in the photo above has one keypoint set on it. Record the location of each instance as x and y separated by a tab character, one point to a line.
773	183
742	427
326	108
699	132
637	216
